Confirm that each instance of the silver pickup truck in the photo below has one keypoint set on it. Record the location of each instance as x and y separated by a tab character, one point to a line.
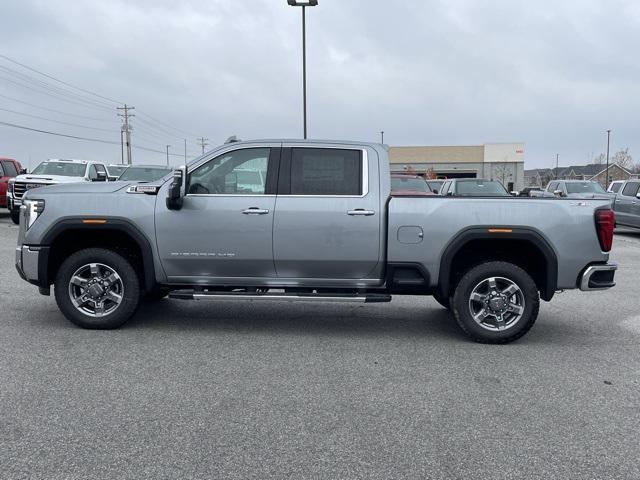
317	224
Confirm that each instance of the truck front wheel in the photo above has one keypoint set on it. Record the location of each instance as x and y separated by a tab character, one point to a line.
97	288
15	215
496	302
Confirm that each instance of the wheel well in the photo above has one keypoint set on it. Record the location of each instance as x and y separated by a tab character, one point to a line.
521	252
72	240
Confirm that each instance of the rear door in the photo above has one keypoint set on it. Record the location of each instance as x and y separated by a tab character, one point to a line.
625	201
327	224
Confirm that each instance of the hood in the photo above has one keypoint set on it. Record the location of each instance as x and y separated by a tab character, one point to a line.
29	178
80	187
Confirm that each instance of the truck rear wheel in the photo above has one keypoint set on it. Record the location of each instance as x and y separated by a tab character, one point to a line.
97	288
496	302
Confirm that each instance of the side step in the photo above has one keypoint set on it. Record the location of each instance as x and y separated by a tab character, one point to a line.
305	297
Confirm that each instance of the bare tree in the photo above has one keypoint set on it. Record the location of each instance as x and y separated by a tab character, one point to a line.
623	158
600	159
502	172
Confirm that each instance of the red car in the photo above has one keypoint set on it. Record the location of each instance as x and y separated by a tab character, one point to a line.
410	185
9	168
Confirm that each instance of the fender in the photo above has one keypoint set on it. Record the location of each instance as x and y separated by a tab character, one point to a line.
110	223
510	233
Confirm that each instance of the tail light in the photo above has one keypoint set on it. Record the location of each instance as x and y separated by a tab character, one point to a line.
605	221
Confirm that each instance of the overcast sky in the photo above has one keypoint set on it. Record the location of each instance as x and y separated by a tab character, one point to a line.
553	74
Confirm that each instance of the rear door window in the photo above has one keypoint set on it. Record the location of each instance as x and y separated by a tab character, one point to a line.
8	168
631	189
326	172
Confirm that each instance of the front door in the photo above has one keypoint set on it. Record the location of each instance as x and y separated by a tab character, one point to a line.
624	203
224	230
328	219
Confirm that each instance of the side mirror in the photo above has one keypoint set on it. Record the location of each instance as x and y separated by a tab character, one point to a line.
101	177
177	189
450	193
638	195
514	193
557	193
435	190
22	171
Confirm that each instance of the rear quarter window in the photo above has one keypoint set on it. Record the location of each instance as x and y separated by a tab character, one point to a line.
326	171
630	189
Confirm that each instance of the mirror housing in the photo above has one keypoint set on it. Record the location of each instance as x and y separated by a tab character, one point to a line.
177	189
101	177
557	193
22	171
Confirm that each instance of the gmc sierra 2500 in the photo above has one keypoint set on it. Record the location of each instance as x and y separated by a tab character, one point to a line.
312	221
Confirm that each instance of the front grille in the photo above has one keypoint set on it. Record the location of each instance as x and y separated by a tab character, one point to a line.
19	188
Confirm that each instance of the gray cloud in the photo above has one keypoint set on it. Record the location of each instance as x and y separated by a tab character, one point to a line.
552	74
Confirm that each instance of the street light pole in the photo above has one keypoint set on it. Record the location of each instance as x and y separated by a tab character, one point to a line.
168	154
607	176
382	137
556	175
304	4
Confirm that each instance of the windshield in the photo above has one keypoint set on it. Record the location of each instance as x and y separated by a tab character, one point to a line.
65	169
480	188
116	171
584	187
409	184
144	174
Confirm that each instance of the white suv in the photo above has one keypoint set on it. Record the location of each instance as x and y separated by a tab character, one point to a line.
52	172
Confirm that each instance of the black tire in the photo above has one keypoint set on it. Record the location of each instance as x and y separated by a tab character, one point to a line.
504	272
130	298
442	301
156	294
15	216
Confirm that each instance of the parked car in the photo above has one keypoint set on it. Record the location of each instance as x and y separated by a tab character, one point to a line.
325	228
614	187
145	173
114	171
9	169
473	187
526	191
53	172
574	189
627	204
405	184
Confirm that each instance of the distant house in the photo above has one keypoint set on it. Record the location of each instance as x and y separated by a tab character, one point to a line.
539	177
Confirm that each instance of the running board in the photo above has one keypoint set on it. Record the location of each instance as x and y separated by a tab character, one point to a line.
304	297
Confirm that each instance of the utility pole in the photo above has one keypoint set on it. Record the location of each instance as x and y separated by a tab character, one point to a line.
168	154
122	144
556	175
608	140
185	151
126	128
203	143
382	137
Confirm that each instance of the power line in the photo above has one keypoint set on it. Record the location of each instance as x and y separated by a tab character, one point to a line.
52	88
87	139
57	96
56	121
60	81
57	111
183	132
203	143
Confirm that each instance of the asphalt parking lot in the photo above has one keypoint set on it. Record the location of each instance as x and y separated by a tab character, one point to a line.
292	390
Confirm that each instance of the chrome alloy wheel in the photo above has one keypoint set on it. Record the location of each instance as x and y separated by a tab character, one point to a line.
96	289
496	303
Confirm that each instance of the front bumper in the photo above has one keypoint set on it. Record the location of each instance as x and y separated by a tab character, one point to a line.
32	263
597	277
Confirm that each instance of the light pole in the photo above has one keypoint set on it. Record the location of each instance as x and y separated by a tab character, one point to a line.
556	175
304	4
168	154
607	176
382	137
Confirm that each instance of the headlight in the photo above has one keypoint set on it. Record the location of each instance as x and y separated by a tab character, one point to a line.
34	209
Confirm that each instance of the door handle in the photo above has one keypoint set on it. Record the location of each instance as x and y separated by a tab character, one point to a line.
255	211
361	211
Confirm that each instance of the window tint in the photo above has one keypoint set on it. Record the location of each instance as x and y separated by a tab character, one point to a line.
66	169
326	171
615	187
584	187
240	172
9	169
630	189
553	186
480	187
